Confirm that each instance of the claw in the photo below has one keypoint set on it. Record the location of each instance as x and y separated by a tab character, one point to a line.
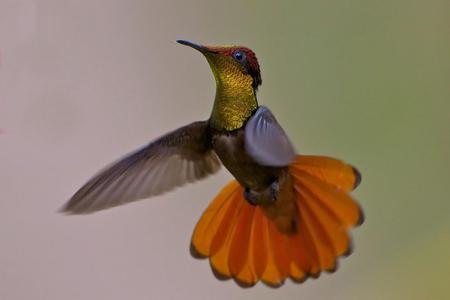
274	188
250	197
266	196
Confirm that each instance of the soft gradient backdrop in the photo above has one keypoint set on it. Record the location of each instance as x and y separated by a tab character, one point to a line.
84	82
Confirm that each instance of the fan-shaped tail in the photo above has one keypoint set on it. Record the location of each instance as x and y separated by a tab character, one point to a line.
246	243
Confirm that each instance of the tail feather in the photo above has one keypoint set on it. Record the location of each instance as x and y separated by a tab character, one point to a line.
207	226
302	258
329	170
318	239
244	242
273	273
338	202
335	232
258	251
280	255
221	244
241	263
241	240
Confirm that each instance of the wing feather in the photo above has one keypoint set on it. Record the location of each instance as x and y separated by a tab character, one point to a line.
265	140
179	157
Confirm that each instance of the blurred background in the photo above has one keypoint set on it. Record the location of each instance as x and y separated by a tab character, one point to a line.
84	82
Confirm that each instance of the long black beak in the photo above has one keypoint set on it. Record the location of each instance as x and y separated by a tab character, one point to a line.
200	48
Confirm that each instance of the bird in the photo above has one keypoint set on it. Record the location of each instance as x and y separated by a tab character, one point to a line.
284	215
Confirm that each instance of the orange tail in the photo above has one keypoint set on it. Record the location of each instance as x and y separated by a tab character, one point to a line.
244	244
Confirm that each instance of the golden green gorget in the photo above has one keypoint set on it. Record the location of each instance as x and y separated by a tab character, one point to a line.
235	97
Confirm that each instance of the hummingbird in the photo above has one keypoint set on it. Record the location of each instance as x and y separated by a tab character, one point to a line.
285	215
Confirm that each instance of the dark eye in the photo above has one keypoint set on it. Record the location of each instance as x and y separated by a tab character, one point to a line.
238	55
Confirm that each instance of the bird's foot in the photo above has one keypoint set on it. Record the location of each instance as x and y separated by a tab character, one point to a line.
274	189
250	197
263	197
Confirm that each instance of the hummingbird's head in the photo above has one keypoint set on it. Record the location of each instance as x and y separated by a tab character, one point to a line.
233	66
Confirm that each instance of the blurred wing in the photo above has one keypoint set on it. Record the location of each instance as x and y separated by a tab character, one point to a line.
265	140
172	160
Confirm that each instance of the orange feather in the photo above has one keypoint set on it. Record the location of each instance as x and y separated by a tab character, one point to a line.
244	242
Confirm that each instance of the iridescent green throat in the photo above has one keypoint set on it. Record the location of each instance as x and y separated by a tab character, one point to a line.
235	98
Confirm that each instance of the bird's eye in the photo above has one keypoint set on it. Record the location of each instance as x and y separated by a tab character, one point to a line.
238	55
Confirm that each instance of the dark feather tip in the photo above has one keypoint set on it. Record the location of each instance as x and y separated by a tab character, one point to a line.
242	284
362	217
219	275
274	285
349	250
300	280
195	253
334	268
357	177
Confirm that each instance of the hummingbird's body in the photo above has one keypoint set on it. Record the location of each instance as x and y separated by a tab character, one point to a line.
286	215
234	104
230	148
258	179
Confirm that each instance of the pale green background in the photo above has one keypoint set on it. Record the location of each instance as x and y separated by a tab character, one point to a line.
83	82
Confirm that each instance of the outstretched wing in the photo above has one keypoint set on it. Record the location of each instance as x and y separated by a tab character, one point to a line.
179	157
265	140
